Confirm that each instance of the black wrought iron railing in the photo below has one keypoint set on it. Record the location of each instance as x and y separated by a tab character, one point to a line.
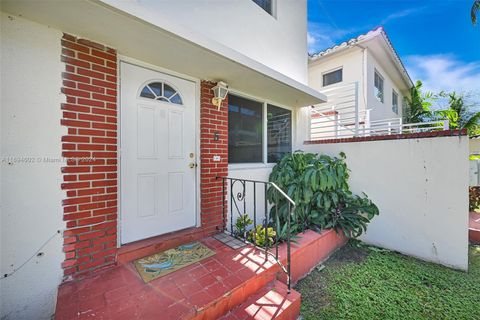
243	195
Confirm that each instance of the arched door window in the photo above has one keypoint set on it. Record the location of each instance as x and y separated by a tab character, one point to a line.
162	92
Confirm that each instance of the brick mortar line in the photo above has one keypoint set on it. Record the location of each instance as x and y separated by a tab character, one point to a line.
89	69
406	136
75	73
92	85
88	84
104	50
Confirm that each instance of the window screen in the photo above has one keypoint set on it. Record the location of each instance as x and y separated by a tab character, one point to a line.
245	130
279	133
332	77
394	101
378	87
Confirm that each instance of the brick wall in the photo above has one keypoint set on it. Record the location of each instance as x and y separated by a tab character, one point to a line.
212	121
90	173
90	146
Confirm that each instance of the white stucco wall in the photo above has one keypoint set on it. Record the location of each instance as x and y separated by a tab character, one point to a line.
421	189
381	110
353	62
250	172
279	41
30	191
352	65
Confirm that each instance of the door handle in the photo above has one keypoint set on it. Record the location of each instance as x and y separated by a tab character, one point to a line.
192	165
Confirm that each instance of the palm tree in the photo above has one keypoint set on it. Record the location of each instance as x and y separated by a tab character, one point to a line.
460	114
474	11
418	105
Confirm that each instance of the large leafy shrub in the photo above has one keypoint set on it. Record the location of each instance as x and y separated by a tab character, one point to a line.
319	186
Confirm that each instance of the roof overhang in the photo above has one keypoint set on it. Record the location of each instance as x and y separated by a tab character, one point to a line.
380	46
165	44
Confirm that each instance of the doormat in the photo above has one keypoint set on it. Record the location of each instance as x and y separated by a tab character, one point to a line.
160	264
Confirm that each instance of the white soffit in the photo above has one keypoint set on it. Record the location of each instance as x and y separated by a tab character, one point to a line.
169	46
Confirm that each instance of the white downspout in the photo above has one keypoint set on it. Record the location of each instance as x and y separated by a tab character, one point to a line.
364	79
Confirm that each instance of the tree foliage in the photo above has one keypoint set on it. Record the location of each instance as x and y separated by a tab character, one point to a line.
418	104
460	114
474	11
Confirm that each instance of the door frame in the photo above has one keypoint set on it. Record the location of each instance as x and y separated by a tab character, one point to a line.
124	59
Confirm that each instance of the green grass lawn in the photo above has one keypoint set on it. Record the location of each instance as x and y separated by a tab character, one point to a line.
363	283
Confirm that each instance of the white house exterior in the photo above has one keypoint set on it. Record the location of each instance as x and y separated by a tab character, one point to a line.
112	141
109	135
349	73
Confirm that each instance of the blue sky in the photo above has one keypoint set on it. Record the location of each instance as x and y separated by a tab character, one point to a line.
435	38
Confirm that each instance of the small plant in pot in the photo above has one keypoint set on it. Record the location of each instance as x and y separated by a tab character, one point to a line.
260	236
242	225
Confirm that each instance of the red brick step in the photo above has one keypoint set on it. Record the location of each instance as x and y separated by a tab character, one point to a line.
271	302
208	289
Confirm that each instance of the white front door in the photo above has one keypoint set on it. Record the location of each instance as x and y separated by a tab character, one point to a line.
157	133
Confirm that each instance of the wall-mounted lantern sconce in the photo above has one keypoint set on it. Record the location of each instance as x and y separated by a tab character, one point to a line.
220	92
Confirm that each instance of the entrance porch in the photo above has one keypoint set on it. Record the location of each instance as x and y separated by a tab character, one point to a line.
233	284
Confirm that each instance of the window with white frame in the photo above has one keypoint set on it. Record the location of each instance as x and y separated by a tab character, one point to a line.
333	77
266	5
257	132
378	84
161	92
394	101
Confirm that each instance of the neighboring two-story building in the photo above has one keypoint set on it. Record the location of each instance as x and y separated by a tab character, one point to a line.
365	81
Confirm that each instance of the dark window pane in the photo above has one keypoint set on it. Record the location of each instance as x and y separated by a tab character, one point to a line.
168	91
156	87
265	5
176	99
332	77
279	133
244	130
378	83
161	92
395	102
147	93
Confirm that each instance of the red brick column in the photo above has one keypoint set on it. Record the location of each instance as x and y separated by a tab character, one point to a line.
90	146
213	142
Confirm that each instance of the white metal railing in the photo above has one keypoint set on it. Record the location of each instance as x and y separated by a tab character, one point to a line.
425	126
340	117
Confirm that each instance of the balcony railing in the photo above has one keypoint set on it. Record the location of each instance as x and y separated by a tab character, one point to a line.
243	195
341	117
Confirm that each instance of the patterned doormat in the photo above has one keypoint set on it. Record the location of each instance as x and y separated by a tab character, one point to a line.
162	263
